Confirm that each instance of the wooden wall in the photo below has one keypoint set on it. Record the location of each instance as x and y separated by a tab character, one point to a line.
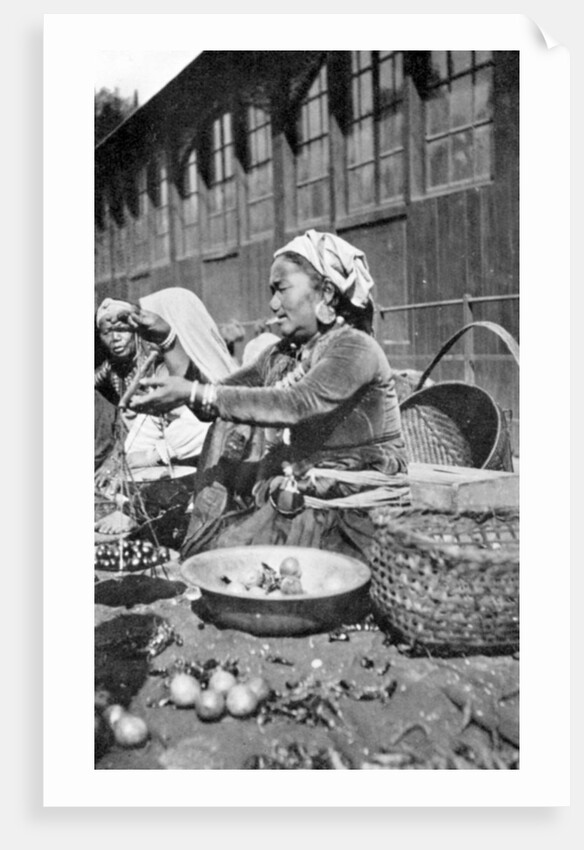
424	249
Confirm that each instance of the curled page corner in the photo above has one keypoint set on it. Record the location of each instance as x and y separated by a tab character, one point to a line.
548	40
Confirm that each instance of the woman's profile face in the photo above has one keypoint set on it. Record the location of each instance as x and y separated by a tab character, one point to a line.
293	300
120	345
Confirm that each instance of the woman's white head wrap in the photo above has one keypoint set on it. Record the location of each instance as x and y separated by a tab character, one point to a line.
196	329
343	264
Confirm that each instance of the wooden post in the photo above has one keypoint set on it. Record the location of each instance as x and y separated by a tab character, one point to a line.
467	318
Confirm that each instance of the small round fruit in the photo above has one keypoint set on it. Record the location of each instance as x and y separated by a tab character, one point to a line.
252	577
184	690
290	567
241	701
236	587
291	586
210	705
113	713
260	687
130	731
222	681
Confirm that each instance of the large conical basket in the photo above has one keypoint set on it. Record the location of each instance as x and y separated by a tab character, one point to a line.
458	424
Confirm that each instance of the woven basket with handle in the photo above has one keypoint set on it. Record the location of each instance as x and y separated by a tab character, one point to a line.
448	583
455	423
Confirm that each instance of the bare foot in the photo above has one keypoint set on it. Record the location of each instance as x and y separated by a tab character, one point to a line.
115	523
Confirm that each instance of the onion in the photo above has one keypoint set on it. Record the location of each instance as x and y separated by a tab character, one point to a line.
130	731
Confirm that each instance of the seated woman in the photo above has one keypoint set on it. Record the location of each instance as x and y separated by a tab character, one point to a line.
323	398
152	445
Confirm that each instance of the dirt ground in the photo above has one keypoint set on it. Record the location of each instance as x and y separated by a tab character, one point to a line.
360	702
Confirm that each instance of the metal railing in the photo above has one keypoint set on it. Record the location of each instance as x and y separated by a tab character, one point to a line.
467	302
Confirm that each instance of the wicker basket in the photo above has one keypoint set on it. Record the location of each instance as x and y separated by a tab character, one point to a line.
455	423
448	583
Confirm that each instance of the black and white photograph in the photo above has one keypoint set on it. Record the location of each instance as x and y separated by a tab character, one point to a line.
307	410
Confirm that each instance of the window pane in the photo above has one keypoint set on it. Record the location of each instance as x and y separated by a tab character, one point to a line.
302	165
391	177
354	61
231	226
262	149
303	205
324	143
314	125
390	131
437	111
229	163
353	145
216	230
483	56
366	86
386	89
461	61
227	129
324	115
365	58
367	184
191	241
261	215
230	195
462	166
399	78
439	65
267	180
253	148
216	135
438	163
192	174
355	97
354	187
319	199
218	167
483	94
316	159
483	152
461	102
367	139
215	200
191	209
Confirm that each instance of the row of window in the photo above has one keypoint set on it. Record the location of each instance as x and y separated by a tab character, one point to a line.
457	141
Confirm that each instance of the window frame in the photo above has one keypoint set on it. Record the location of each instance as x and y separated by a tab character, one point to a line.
254	164
377	112
428	138
322	138
188	187
217	186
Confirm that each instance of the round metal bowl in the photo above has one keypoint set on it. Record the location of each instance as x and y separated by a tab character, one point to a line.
335	590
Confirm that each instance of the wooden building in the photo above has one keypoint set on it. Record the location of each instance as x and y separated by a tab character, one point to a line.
412	156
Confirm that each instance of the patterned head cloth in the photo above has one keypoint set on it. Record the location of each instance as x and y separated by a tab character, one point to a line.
111	310
343	264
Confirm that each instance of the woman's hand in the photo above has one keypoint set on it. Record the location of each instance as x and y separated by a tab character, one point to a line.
161	394
150	326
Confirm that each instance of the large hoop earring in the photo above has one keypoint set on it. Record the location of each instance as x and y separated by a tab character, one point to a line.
325	314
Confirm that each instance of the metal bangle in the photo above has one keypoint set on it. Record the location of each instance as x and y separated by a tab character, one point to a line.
169	341
193	393
209	399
